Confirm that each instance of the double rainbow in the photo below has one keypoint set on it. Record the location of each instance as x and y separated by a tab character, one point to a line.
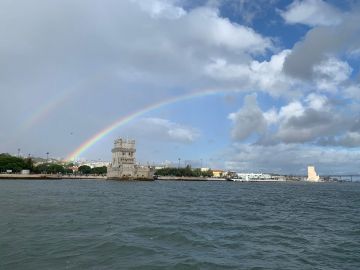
128	118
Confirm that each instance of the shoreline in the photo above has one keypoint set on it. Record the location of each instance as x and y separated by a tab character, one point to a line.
93	177
47	177
160	178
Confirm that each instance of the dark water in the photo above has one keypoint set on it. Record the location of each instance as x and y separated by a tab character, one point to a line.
74	224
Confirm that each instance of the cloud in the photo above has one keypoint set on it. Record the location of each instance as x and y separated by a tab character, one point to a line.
350	139
331	73
307	121
115	53
291	158
352	91
159	129
312	120
114	58
248	120
124	36
205	24
161	8
319	45
312	13
266	76
308	126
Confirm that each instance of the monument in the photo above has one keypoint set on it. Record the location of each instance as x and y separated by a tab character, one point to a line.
312	176
123	165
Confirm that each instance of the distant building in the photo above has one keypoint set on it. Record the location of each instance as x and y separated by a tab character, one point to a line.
123	164
218	173
312	176
95	164
254	176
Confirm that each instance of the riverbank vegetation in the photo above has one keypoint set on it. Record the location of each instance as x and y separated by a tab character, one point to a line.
12	164
15	164
180	172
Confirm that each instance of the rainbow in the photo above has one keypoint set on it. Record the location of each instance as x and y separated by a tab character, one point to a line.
41	112
65	94
128	118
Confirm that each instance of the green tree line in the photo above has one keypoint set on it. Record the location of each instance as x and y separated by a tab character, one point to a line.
16	164
187	171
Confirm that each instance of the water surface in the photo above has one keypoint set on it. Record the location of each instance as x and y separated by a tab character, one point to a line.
92	224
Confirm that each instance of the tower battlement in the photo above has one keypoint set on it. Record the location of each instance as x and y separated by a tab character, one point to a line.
124	143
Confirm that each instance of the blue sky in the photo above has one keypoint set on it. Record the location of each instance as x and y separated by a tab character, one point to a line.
286	75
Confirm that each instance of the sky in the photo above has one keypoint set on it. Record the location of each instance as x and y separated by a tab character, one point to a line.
245	85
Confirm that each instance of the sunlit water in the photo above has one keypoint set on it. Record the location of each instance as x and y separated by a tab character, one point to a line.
89	224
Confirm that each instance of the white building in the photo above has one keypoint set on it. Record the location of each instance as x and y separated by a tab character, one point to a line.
123	164
312	176
254	176
95	164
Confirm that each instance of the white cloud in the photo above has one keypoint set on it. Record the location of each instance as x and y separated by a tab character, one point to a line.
331	73
152	39
306	121
159	129
290	158
266	76
312	13
222	70
322	44
205	25
309	120
293	109
248	120
316	101
271	116
161	8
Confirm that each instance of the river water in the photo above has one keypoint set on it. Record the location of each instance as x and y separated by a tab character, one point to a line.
93	224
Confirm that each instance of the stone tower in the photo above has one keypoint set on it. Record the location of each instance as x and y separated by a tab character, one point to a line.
123	165
123	156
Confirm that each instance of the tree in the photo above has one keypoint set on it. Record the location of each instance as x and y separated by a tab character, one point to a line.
99	170
68	171
84	169
207	173
49	168
41	168
55	168
29	164
180	172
